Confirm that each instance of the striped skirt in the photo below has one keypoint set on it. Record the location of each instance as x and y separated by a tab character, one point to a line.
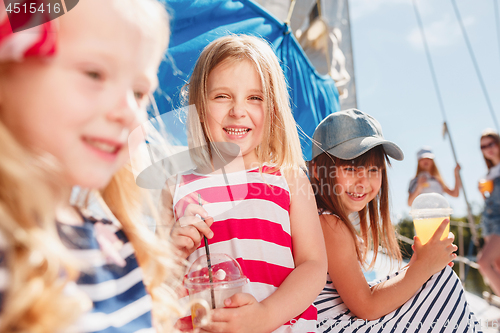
438	306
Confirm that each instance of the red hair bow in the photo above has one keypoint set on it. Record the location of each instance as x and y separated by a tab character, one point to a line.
40	40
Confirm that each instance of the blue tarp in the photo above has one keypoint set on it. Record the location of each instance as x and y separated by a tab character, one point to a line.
196	23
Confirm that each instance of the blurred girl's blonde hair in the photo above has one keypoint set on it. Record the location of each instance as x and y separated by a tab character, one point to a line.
280	145
38	266
37	298
434	173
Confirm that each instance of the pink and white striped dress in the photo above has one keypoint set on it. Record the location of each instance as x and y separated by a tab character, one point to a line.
251	211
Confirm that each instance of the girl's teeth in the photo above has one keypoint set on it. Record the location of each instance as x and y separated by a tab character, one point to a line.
356	195
236	131
105	147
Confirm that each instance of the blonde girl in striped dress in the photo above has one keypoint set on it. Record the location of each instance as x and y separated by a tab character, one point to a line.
266	219
349	176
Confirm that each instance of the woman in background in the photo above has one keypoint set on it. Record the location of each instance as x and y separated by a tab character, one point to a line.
489	258
428	179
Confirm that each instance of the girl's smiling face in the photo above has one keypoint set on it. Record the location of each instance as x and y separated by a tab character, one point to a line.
81	104
236	106
357	186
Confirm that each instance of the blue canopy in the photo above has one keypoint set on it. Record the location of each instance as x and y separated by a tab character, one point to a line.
196	23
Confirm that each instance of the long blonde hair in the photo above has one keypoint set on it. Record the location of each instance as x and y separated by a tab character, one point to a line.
39	267
162	273
374	220
434	173
490	133
34	256
280	144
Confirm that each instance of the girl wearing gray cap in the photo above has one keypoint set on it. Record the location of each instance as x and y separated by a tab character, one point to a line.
428	179
348	174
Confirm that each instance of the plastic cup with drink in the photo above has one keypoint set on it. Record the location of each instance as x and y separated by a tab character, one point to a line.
227	280
428	211
486	187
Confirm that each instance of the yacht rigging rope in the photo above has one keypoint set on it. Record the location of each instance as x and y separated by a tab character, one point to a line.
446	129
474	62
497	21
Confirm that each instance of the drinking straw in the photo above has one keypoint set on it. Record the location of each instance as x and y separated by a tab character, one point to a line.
209	264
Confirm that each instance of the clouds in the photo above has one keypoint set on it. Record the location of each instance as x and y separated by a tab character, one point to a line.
440	24
443	31
362	8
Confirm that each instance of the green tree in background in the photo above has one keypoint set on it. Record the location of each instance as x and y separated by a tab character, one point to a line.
405	228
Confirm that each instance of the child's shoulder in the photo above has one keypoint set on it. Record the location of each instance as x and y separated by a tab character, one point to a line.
332	221
294	174
297	180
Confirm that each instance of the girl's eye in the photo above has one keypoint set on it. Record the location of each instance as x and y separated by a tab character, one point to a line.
220	96
256	98
139	95
350	169
94	75
374	169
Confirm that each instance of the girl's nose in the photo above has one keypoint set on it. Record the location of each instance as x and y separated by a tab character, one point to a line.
362	179
126	111
238	110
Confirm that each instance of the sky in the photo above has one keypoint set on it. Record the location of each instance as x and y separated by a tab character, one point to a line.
394	84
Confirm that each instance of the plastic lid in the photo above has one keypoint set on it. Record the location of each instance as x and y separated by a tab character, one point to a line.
226	273
428	205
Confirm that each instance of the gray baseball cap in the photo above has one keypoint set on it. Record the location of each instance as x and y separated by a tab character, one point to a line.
350	133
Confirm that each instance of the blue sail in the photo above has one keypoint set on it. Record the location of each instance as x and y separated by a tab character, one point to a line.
196	23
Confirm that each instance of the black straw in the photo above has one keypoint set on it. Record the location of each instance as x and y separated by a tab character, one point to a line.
209	264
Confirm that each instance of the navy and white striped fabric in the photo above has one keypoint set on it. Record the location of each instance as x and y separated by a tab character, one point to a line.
120	301
438	306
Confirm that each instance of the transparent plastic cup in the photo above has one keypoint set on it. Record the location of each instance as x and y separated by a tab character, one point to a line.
428	211
227	280
486	187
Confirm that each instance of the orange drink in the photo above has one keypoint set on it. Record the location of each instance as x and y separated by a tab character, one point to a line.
425	228
428	211
485	186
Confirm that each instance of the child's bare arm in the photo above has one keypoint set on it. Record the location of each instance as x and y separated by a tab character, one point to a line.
458	184
385	297
300	288
167	220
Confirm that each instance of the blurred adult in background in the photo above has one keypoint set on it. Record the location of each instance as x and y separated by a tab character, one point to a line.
489	257
428	179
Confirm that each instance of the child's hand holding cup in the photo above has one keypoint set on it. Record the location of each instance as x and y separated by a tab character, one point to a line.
227	280
428	211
